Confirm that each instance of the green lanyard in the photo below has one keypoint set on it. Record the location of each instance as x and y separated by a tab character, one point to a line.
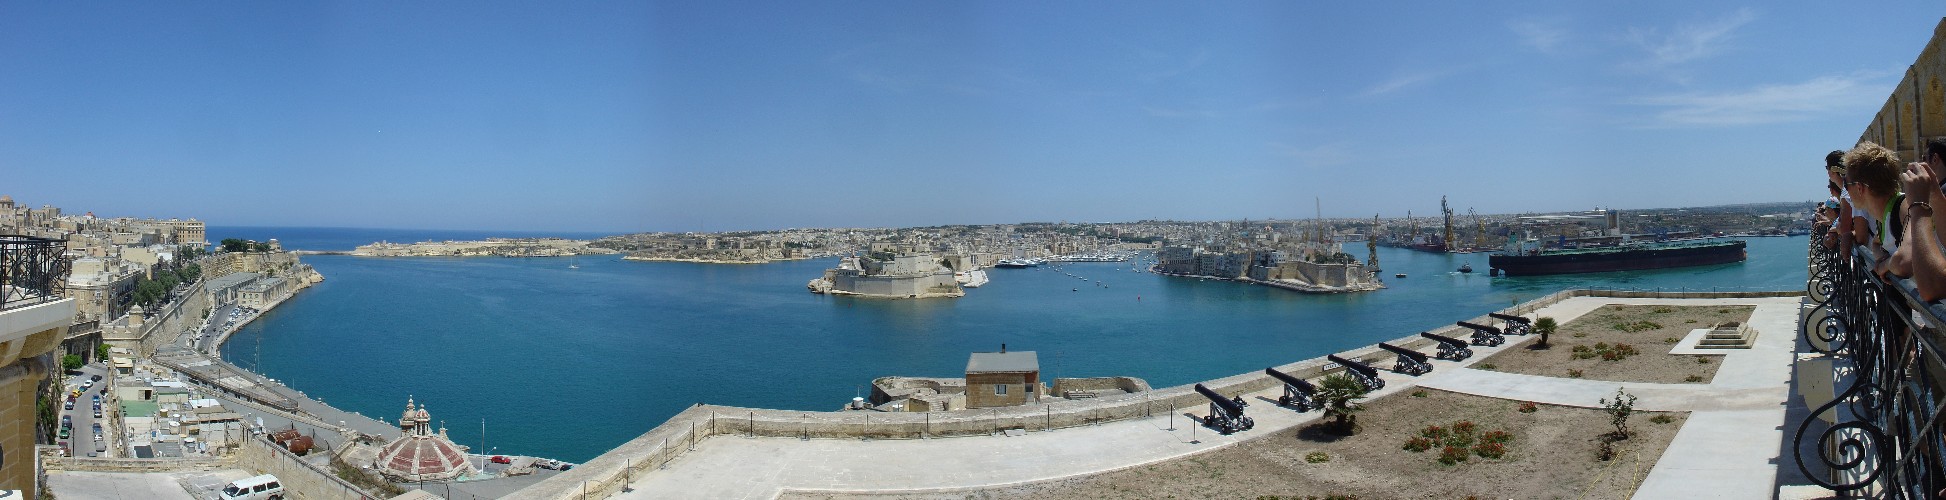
1886	218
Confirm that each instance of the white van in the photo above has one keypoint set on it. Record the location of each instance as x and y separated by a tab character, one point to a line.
264	487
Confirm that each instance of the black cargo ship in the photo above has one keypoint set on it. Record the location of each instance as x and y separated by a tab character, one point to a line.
1621	258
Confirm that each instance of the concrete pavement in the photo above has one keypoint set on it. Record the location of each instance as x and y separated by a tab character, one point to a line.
1728	453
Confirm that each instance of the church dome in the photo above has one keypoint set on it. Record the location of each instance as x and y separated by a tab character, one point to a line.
421	455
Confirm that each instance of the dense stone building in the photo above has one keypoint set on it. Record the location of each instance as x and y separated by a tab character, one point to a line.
1003	378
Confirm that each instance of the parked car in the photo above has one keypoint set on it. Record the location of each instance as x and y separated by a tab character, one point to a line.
261	487
64	432
94	378
549	464
87	384
501	459
68	405
97	412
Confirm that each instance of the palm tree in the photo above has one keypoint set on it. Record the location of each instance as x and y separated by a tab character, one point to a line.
1545	326
1340	395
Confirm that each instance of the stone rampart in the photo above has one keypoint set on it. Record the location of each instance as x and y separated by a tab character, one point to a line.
304	480
50	462
606	474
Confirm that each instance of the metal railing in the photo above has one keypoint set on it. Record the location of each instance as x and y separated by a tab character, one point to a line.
32	270
1886	345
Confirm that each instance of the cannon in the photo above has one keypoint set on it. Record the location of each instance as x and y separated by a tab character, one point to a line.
1516	325
1363	373
1410	362
1225	414
1484	335
1450	349
1297	392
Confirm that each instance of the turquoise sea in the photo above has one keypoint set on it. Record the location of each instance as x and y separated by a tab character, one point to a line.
568	363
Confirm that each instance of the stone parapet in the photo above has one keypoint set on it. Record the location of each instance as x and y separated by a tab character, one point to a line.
607	474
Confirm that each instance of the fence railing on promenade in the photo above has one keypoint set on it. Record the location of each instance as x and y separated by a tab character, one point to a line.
31	270
1880	434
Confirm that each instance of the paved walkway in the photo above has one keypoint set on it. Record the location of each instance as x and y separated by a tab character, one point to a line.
1725	450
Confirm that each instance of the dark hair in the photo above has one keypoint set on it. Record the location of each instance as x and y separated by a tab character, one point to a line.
1833	186
1935	146
1834	159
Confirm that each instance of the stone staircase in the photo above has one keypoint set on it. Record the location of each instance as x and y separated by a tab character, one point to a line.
1730	335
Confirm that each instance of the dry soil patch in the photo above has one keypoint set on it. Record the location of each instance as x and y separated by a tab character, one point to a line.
1552	455
1653	328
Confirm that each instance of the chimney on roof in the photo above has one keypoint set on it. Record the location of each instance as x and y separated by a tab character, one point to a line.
1003	348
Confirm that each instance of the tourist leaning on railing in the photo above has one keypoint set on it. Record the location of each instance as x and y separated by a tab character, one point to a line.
1840	234
1872	179
1922	254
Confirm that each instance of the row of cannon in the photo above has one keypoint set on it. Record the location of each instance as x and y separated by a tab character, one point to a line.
1226	414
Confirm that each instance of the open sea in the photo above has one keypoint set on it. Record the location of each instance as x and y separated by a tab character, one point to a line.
568	363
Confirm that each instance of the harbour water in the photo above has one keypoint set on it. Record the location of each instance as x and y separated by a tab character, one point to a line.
568	363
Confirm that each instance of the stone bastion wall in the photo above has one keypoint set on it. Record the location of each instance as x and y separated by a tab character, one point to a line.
607	474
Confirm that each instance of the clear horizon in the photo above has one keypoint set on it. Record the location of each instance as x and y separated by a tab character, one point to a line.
624	118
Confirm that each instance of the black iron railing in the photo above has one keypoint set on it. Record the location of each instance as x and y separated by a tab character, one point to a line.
31	270
1891	380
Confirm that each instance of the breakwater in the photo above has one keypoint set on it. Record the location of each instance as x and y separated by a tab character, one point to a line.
608	473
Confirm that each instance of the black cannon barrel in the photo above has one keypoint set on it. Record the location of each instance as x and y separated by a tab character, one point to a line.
1361	368
1509	317
1480	327
1228	406
1443	339
1403	351
1291	380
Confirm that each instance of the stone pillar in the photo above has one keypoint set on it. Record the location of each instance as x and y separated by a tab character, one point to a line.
26	333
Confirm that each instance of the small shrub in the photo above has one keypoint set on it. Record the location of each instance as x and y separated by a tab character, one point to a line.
1688	321
1610	356
1460	440
1452	455
1702	360
1501	437
1528	407
1637	326
1582	348
1574	373
1662	419
1693	378
1418	444
1490	450
1465	427
1317	457
1723	311
1580	335
1418	394
1664	309
1671	340
1489	366
1434	432
1601	346
1618	411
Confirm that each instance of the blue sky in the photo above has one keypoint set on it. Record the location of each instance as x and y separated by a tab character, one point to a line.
630	116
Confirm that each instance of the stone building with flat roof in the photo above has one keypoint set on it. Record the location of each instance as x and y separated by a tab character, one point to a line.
1003	379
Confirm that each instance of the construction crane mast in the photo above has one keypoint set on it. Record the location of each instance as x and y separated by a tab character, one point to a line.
1479	237
1446	239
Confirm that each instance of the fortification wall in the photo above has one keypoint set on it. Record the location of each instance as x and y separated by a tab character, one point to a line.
606	474
1916	110
893	286
304	480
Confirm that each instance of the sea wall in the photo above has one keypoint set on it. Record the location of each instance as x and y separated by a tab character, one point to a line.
161	328
606	474
896	286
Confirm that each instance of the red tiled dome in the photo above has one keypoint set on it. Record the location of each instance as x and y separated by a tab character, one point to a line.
422	455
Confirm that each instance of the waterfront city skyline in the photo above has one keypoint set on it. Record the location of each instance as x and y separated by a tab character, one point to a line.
678	117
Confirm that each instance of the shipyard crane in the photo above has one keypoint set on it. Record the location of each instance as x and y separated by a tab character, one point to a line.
1446	240
1480	237
1371	245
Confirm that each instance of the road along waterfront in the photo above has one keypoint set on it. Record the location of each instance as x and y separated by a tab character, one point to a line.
612	348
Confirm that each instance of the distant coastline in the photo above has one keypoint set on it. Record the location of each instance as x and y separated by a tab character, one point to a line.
639	258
